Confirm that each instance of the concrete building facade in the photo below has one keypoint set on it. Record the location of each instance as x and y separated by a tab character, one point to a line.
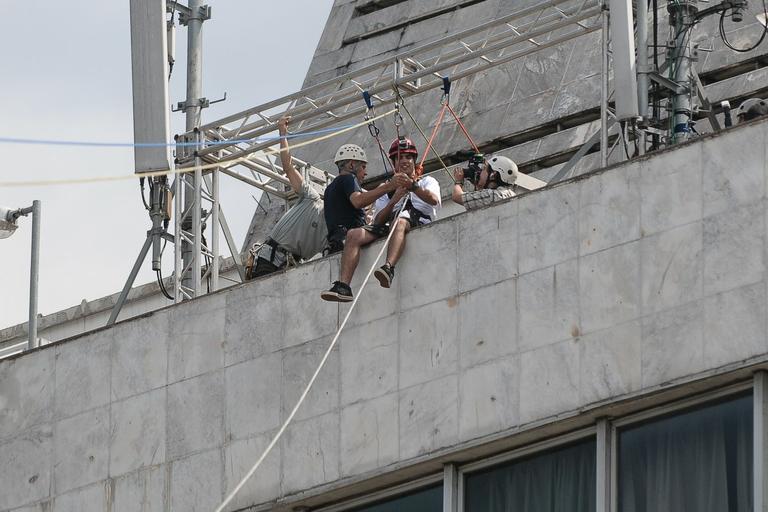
598	345
558	324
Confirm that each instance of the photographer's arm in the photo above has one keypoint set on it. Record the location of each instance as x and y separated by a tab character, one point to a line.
458	178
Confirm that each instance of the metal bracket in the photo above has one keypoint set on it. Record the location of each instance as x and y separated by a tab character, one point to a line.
669	84
202	102
186	14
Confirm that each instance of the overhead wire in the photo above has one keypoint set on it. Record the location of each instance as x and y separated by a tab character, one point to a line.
182	170
52	142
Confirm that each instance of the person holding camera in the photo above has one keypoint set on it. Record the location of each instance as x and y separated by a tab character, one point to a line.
492	179
417	200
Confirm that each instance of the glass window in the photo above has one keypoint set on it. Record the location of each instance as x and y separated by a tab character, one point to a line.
423	500
695	461
561	480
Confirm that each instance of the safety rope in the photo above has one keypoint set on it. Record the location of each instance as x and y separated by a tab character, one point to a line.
424	135
311	382
374	131
98	179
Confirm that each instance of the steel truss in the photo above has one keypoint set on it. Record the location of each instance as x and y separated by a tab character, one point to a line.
234	141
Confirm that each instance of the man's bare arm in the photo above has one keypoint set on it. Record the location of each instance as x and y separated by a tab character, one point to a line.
285	156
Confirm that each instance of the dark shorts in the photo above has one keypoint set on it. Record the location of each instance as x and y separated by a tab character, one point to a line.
263	268
379	231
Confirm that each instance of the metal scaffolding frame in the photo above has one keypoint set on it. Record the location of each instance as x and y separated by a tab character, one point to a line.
235	141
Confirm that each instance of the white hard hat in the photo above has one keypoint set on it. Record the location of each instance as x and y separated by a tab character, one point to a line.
506	168
350	152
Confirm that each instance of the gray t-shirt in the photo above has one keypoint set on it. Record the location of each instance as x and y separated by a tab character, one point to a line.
302	229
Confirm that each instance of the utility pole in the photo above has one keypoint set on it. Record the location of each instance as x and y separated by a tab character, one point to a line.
189	185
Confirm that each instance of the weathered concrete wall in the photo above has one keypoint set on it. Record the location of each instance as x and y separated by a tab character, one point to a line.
614	284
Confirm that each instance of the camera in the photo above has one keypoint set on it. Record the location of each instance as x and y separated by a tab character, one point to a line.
474	167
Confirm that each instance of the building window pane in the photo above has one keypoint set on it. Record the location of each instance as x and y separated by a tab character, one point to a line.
697	461
423	500
561	480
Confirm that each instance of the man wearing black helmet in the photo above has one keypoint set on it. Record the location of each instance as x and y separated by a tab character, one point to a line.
417	199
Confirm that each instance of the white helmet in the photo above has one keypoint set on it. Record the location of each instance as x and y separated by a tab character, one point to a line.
506	168
350	152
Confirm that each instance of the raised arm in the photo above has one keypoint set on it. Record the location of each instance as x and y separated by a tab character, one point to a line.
285	156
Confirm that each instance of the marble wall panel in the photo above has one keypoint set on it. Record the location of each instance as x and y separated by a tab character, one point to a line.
81	454
428	348
733	248
299	363
197	344
311	453
239	457
82	375
195	483
88	499
246	416
140	491
548	301
369	435
671	268
673	344
254	320
549	380
137	432
610	362
140	354
195	415
427	270
429	416
26	474
26	392
489	397
369	356
488	324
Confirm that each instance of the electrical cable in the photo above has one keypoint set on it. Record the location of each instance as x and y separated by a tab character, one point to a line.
724	37
311	382
48	142
183	170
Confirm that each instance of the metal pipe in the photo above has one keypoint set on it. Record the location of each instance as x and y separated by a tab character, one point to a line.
215	232
192	108
34	275
604	91
642	58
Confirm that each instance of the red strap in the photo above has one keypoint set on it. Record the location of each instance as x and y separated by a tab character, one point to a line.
463	129
434	132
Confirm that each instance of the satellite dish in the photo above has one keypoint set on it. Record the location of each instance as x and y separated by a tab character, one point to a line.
7	222
761	18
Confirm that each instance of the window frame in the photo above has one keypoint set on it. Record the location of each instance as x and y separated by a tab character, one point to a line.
660	411
517	454
390	492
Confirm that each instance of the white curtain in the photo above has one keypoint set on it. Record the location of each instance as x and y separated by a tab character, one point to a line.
561	480
698	461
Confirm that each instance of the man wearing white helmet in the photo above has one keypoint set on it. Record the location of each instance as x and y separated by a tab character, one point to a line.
345	200
492	179
750	109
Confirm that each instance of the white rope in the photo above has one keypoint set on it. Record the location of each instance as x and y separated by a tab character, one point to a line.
288	420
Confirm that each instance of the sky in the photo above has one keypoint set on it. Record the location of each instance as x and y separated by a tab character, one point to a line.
66	75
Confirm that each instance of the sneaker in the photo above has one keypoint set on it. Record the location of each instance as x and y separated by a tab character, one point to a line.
385	274
339	292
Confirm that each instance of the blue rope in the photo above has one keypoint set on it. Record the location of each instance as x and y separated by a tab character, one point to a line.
42	142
